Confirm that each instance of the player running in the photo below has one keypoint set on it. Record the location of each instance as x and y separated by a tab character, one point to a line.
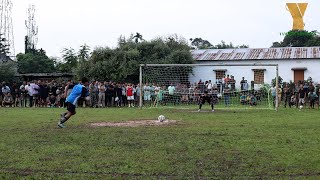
77	92
209	98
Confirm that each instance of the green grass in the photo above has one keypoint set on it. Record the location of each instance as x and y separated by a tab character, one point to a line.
245	144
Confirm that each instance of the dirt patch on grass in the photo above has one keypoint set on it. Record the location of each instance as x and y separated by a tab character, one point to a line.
135	123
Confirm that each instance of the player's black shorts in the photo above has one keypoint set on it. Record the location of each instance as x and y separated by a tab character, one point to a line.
203	101
71	108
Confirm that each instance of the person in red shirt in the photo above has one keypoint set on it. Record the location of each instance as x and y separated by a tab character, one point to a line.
130	95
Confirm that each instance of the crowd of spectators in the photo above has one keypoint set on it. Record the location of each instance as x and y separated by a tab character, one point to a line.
40	93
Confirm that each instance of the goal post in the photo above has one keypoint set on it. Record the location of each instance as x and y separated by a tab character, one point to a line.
236	85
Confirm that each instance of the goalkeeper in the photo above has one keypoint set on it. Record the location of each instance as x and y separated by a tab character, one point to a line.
207	98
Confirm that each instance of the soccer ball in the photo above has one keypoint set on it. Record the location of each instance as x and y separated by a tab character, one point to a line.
161	118
300	107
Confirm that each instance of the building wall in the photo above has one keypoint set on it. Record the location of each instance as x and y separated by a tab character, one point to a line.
285	70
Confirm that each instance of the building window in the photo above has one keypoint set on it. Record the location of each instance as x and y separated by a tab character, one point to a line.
258	76
220	74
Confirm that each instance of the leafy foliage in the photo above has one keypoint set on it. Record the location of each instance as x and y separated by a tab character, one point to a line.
200	43
70	60
7	71
122	63
296	38
280	81
37	62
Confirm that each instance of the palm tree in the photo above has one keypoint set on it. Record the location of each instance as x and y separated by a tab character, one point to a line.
137	37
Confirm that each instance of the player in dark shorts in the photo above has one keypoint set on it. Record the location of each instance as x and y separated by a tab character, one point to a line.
207	98
79	91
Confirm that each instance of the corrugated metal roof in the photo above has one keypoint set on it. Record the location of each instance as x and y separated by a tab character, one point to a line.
257	53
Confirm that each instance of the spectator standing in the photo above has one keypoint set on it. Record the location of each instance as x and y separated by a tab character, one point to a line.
312	99
242	82
130	95
54	89
172	89
23	94
227	93
102	95
302	95
43	93
118	98
273	95
33	93
209	86
93	89
227	79
287	95
109	94
245	86
138	93
147	94
124	94
232	83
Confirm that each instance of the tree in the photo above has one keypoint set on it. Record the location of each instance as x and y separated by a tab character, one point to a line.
223	45
37	62
122	62
200	43
83	54
69	60
299	38
137	37
7	71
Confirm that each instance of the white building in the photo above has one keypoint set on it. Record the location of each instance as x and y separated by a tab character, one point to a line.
295	64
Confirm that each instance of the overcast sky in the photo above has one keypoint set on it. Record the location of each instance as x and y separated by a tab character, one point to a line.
71	23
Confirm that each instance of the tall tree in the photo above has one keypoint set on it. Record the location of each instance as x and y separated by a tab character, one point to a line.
69	60
37	62
297	38
224	45
122	63
83	54
7	72
137	37
200	43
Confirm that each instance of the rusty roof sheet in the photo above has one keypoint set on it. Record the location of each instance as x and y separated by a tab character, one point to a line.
257	53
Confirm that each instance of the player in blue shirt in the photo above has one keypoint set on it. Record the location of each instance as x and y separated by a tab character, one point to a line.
78	91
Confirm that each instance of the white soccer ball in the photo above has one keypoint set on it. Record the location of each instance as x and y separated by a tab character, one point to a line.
161	118
300	107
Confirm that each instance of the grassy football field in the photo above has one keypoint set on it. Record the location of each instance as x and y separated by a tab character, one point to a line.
239	144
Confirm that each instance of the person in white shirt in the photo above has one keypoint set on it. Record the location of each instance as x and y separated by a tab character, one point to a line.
209	86
33	93
5	89
171	90
23	94
147	93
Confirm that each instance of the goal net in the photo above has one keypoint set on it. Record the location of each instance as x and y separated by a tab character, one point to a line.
231	86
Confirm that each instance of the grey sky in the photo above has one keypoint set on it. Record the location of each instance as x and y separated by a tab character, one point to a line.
71	23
